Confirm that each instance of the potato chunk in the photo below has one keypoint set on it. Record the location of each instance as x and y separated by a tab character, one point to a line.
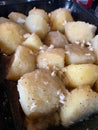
40	12
32	41
75	54
51	58
22	62
58	18
17	17
81	74
79	31
56	38
39	93
37	24
81	103
11	35
94	42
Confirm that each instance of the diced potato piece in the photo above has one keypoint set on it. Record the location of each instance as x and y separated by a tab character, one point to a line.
75	54
22	62
59	17
51	58
40	12
56	38
3	20
17	17
95	46
81	74
11	35
37	24
33	42
79	31
39	93
80	103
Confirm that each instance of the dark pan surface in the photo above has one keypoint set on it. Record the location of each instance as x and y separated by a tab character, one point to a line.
11	116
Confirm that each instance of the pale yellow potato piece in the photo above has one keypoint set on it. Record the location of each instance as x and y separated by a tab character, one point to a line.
37	24
79	31
94	42
51	58
3	20
56	38
17	17
33	42
22	62
80	104
39	93
40	12
75	54
11	35
81	74
59	17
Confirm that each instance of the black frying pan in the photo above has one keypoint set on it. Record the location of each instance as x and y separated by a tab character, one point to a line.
11	116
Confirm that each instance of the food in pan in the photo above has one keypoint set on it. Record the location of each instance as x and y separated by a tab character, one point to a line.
54	61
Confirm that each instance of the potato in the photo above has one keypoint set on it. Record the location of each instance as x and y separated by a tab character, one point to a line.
79	31
3	20
11	35
80	103
58	18
75	54
51	58
17	17
56	38
82	74
40	12
37	24
39	93
94	42
23	61
33	42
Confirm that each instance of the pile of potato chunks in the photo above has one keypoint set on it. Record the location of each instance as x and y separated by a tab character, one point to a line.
54	61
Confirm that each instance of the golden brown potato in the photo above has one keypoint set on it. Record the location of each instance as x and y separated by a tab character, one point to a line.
56	38
94	42
39	93
59	17
11	35
75	54
40	12
37	24
17	17
32	41
80	103
22	62
51	58
78	31
82	74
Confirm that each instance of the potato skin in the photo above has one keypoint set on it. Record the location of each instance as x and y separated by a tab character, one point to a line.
38	93
11	35
23	61
75	75
80	104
